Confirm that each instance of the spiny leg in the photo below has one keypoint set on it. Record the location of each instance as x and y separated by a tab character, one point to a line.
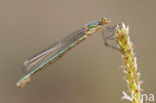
112	29
106	43
104	38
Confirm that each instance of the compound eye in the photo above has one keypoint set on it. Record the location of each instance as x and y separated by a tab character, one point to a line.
105	20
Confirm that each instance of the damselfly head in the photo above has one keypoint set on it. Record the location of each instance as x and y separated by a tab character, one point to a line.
105	20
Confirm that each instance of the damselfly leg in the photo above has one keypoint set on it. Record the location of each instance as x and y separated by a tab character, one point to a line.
109	34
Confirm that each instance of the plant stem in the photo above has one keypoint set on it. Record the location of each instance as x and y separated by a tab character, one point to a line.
130	65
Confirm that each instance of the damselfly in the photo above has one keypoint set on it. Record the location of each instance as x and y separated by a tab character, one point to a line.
48	56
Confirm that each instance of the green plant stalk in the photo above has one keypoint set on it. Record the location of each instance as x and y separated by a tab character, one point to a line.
130	65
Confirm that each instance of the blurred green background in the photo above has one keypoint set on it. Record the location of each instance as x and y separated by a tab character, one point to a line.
90	73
